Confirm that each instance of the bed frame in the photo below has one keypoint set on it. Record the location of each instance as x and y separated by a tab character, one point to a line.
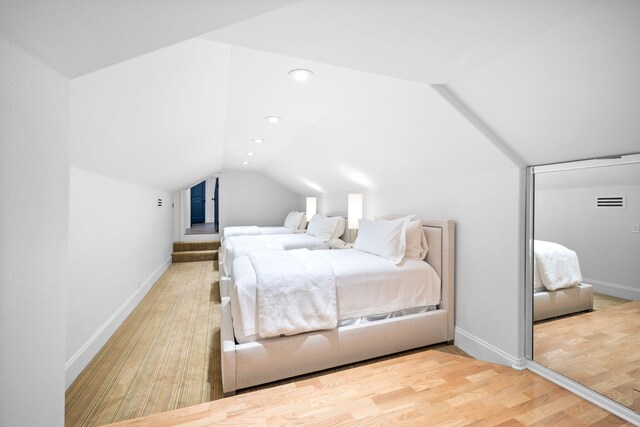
548	304
259	362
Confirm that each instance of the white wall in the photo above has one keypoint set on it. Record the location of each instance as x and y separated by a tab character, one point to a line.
34	194
411	152
487	211
119	244
177	217
607	249
209	205
251	198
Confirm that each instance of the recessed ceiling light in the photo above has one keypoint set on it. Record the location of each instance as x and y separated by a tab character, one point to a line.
301	75
258	140
245	163
273	119
250	153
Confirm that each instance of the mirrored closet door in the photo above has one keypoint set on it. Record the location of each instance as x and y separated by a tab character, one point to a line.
583	274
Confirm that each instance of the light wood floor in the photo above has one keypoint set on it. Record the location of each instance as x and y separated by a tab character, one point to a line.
166	356
600	349
429	388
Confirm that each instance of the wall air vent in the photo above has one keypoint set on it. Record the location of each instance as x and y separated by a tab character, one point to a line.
619	202
159	202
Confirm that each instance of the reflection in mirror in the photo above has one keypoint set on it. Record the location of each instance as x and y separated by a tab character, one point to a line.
586	302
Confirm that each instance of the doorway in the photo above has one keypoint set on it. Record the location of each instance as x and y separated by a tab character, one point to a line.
198	201
200	209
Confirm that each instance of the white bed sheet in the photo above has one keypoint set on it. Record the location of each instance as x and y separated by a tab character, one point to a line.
233	247
366	284
253	230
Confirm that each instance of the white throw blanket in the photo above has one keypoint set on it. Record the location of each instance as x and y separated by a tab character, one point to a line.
241	230
296	292
555	266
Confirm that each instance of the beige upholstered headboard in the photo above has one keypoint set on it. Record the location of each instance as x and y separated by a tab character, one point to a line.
345	233
440	235
434	240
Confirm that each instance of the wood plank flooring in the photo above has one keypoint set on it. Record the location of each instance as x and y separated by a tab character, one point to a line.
422	389
166	356
600	349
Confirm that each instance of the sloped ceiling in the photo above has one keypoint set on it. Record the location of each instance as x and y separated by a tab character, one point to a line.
424	41
571	93
76	37
156	120
259	86
554	81
386	131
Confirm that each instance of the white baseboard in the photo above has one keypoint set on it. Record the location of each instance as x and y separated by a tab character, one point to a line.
613	289
83	356
484	351
586	393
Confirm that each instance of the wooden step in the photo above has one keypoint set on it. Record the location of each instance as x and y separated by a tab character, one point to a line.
195	246
192	256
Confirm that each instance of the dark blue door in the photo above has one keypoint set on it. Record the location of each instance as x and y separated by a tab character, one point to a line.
198	200
216	201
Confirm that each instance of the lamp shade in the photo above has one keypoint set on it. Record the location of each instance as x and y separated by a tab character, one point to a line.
354	211
311	207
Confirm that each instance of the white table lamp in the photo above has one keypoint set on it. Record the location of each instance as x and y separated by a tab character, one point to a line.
354	212
311	207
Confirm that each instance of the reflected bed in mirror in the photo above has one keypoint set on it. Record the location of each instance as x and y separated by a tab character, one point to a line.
585	264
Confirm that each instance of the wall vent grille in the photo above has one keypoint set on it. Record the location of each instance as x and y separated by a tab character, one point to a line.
619	202
159	202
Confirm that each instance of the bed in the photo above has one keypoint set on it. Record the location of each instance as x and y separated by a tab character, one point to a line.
237	246
295	222
322	230
249	359
558	287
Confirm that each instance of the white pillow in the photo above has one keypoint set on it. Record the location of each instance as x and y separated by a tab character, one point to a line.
293	220
340	227
383	237
322	226
416	241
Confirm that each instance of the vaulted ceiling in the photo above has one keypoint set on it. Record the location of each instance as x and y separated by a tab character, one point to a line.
166	93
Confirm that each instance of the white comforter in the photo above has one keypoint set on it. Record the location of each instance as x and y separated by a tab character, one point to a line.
253	230
241	230
237	246
366	285
555	266
296	292
242	245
